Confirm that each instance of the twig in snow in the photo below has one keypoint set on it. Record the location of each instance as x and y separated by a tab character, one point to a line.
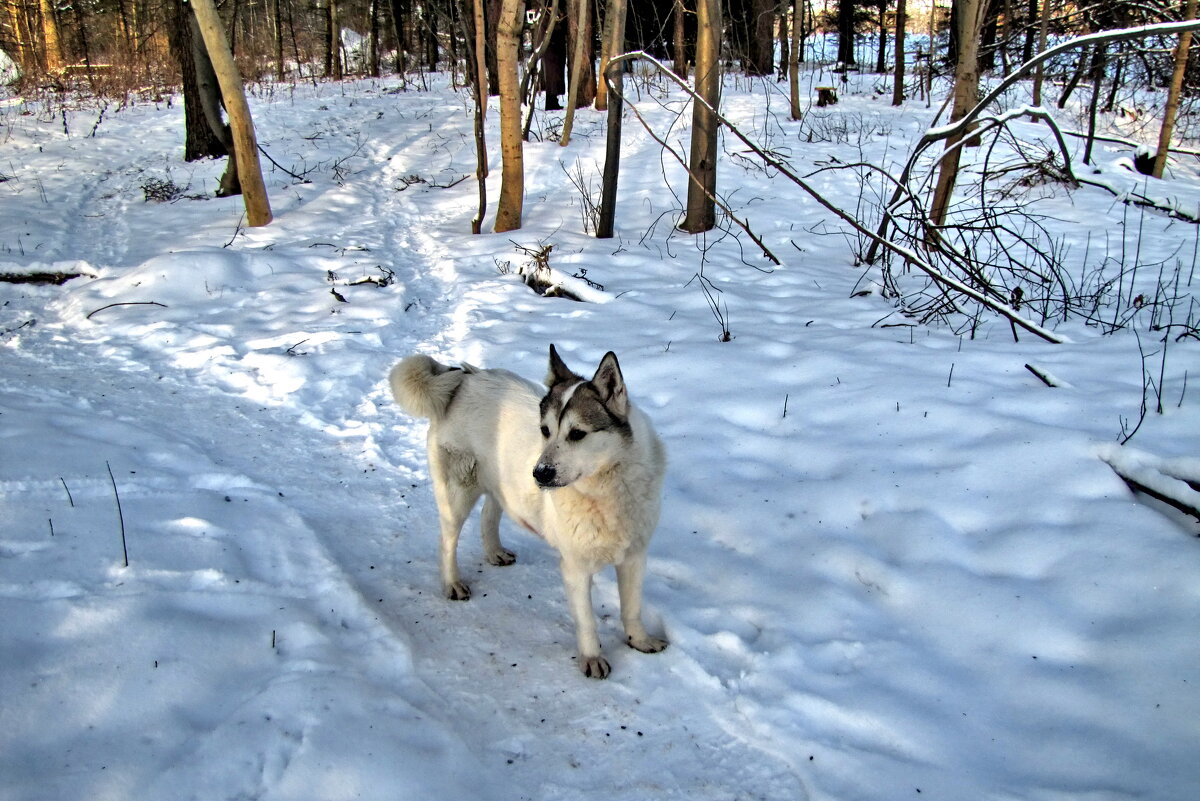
127	303
68	489
120	514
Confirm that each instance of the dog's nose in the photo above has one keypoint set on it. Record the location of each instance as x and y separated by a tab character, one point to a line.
544	474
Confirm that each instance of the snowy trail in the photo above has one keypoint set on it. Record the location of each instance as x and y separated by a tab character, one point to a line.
890	561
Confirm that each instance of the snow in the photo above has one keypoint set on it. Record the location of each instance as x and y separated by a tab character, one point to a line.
892	561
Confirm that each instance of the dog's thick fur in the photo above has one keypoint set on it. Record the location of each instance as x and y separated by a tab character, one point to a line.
589	483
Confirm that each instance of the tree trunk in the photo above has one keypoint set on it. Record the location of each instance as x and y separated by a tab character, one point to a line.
200	140
702	179
679	59
606	220
53	50
1099	61
846	9
1168	126
373	53
761	50
881	54
578	16
1039	74
512	169
277	17
611	44
794	58
966	95
898	82
615	28
254	191
478	72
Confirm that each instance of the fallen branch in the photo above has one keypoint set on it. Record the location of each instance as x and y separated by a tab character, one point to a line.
128	303
54	279
1045	377
1175	482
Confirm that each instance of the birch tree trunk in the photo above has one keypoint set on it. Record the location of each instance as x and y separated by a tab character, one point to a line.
512	156
612	145
1168	126
702	181
254	191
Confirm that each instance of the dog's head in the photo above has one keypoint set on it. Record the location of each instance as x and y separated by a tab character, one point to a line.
585	424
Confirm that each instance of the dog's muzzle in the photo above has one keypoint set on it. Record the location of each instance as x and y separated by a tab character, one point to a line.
546	476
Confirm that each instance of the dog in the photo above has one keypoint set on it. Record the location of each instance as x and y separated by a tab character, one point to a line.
578	465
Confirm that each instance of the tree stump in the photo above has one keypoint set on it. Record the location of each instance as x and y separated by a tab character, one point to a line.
826	96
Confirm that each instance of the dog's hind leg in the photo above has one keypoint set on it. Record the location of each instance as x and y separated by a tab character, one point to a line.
456	492
578	582
489	527
629	585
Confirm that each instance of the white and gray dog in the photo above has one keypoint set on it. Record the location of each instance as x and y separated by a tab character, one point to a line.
589	483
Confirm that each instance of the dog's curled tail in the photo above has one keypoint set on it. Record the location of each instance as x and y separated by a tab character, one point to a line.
424	387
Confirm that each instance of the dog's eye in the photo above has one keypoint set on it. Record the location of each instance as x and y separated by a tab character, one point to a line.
545	432
576	434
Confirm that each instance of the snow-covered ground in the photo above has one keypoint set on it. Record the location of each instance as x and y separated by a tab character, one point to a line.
892	562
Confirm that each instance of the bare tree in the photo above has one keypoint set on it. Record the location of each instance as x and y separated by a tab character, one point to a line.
615	27
578	17
254	190
50	36
680	61
794	56
512	156
478	72
611	44
898	78
966	95
702	184
1168	125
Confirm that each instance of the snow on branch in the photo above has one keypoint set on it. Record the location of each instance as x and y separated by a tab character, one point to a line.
1175	482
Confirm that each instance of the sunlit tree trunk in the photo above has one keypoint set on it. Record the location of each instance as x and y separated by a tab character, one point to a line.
1172	109
512	167
966	95
50	37
254	190
578	15
1039	74
612	44
702	183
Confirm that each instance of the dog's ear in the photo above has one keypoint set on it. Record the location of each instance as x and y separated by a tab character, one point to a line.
611	385
559	372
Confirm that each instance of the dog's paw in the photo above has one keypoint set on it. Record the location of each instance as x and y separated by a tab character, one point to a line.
501	558
594	667
647	644
457	591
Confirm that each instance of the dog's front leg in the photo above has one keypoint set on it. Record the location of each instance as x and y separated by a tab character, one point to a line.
578	582
630	573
